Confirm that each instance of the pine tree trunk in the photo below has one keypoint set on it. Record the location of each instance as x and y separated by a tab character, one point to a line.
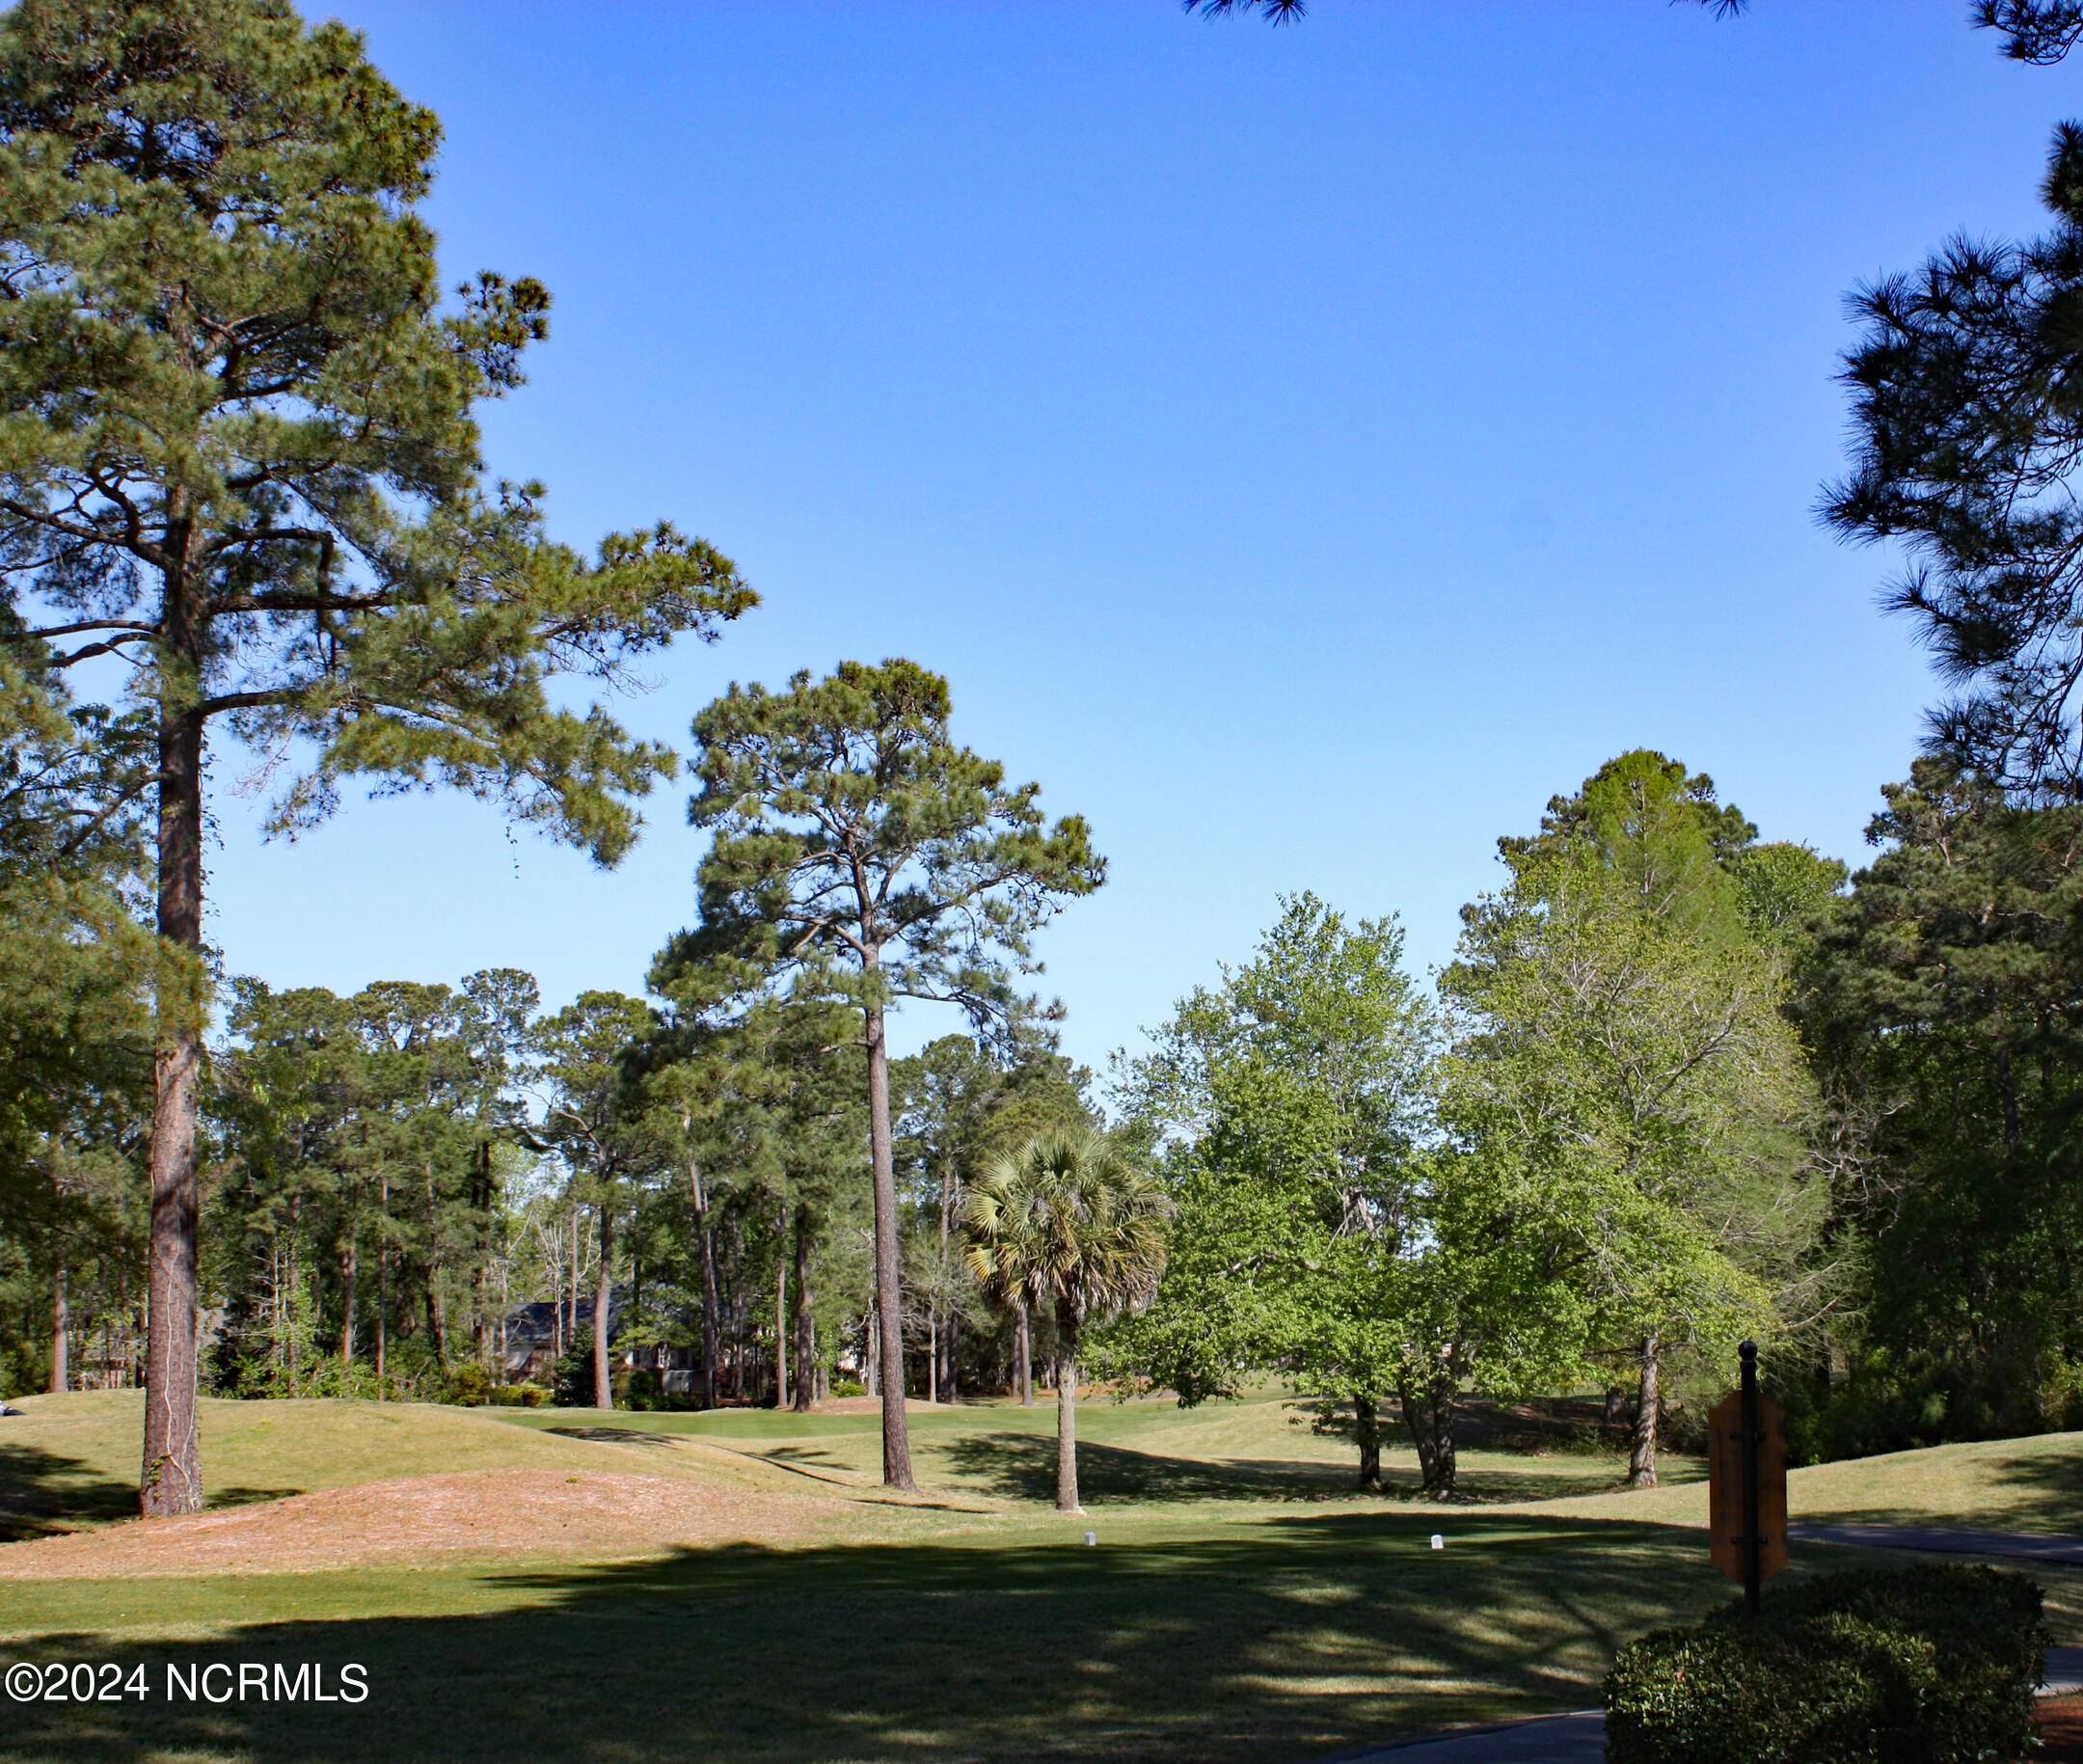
1641	1459
933	1354
482	1261
1066	1490
780	1322
1367	1434
383	1286
349	1256
436	1315
896	1437
944	1326
172	1480
602	1375
806	1346
1023	1351
871	1372
61	1353
712	1341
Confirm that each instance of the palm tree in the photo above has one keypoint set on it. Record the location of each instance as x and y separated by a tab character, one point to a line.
1067	1222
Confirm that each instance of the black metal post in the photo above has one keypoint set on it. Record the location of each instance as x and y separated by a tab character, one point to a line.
1753	1543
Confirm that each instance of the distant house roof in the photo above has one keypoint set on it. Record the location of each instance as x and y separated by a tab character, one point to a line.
529	1327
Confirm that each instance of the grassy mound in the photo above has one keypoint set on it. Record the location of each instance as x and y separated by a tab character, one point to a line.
71	1461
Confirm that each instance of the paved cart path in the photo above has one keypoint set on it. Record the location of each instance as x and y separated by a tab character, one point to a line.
2026	1546
1579	1737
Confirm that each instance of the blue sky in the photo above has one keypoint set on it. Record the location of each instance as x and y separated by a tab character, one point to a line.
1304	450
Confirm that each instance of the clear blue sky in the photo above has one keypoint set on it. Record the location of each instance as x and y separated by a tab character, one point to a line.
1304	450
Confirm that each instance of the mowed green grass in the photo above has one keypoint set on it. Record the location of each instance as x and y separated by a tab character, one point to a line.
1240	1602
1277	1634
1994	1486
1145	1453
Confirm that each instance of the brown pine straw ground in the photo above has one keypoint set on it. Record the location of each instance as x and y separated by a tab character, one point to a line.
482	1514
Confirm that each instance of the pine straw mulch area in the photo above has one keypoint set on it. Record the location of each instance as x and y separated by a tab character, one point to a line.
479	1514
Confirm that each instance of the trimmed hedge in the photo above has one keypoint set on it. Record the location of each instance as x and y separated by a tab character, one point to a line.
1914	1665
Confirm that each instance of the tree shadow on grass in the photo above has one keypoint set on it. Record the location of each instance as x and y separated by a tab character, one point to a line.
810	1461
1022	1467
2056	1480
44	1493
1305	1634
619	1436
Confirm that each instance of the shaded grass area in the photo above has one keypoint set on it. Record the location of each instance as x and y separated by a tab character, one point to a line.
1274	1637
44	1492
1150	1450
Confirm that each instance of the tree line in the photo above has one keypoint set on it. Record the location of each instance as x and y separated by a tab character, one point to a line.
1676	1085
1678	1088
392	1176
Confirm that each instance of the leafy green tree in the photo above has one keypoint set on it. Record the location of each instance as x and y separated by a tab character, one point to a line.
1622	1059
1295	1098
1786	893
1040	1091
1073	1224
237	449
855	845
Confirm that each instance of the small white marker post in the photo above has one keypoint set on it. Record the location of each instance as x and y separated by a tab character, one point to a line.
1092	1539
1438	1542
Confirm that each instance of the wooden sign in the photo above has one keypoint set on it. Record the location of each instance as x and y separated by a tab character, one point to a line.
1725	1485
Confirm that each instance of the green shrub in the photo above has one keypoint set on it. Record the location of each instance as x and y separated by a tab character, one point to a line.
334	1379
522	1395
1914	1665
468	1384
848	1387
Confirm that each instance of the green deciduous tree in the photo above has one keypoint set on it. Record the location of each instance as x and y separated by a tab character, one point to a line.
1070	1223
856	846
1294	1099
1623	1053
237	450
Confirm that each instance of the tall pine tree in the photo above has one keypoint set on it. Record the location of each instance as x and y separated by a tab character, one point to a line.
238	450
